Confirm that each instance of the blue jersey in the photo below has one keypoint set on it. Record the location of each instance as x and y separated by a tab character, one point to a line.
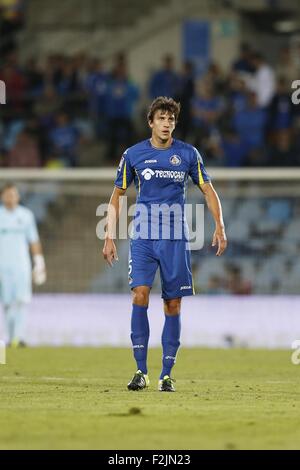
160	177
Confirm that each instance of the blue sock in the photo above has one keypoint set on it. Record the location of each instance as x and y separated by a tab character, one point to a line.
170	343
140	336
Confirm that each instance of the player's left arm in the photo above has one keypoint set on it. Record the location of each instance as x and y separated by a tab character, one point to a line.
201	178
214	205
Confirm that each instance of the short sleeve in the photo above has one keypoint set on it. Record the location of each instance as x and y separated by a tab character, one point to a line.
125	173
32	231
197	170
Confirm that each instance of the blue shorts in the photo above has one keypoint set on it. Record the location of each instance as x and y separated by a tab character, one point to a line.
173	260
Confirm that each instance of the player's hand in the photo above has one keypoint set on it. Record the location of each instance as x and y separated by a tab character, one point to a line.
220	239
39	274
110	252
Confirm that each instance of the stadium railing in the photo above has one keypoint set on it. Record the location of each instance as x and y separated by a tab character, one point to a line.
261	212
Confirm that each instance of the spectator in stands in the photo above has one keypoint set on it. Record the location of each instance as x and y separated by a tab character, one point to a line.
281	108
96	86
206	110
11	131
69	87
25	152
105	101
46	107
234	149
186	91
120	62
215	77
236	93
249	123
80	64
243	63
164	82
263	81
34	80
67	83
121	98
64	140
53	70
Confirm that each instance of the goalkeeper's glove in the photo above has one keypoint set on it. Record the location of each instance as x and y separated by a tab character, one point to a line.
39	270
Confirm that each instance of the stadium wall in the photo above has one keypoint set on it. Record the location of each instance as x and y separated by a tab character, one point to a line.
209	321
144	42
145	56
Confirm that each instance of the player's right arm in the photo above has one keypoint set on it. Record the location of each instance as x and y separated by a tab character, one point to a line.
114	208
125	176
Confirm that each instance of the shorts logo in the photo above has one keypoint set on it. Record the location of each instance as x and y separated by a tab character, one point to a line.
185	287
130	280
175	160
150	161
148	173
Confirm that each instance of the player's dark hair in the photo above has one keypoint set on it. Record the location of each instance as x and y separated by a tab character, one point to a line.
7	186
165	104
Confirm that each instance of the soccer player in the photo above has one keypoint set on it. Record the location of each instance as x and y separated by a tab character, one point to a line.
160	167
18	236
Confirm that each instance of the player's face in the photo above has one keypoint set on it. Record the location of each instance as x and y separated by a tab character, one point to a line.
10	198
163	125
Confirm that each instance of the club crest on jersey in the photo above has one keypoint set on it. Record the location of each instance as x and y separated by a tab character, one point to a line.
175	160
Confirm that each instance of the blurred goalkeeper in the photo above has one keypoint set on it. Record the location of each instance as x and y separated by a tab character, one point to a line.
18	238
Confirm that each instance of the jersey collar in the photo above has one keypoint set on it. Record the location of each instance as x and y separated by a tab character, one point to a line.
157	148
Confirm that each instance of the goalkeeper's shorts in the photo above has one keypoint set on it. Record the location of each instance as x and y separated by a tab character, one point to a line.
15	285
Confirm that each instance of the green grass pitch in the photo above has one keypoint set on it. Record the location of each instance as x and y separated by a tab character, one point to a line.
76	398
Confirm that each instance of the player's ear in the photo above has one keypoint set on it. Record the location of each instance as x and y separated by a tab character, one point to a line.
150	124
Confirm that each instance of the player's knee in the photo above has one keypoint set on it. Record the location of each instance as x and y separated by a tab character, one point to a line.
140	296
172	306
